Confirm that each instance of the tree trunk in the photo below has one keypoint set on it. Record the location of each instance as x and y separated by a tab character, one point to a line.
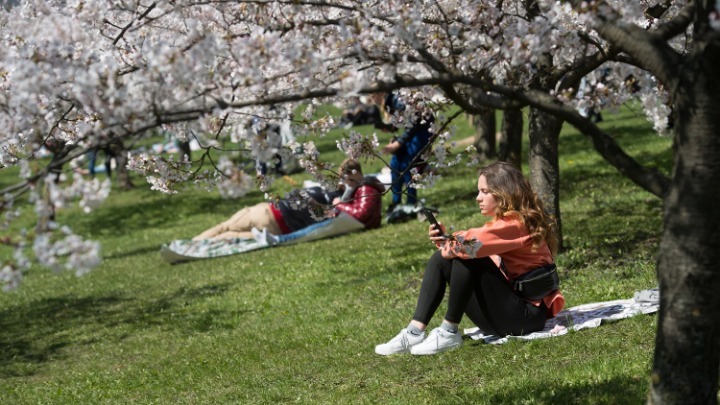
687	347
485	126
123	176
544	131
510	145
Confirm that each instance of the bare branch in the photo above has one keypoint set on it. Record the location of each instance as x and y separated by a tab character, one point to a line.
130	24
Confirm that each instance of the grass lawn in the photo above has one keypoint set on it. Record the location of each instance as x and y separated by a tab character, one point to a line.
298	324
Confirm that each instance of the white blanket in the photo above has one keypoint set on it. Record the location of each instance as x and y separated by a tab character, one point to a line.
581	317
184	250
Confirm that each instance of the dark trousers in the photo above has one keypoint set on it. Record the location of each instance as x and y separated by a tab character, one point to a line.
478	289
109	155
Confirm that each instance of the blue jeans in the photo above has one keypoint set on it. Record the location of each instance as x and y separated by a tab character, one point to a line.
400	180
302	231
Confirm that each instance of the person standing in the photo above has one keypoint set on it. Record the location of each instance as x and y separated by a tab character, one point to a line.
404	148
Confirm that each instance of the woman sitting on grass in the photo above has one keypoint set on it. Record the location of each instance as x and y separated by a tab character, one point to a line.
362	199
519	238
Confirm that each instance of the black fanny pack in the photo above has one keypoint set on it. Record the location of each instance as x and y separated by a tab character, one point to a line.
537	283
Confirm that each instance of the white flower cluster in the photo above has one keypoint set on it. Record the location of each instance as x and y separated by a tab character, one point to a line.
441	160
9	214
356	145
92	192
69	69
441	152
309	158
469	247
235	183
10	277
70	253
657	110
11	272
163	173
300	200
422	180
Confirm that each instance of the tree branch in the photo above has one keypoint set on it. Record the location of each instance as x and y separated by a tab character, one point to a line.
677	25
571	76
130	24
650	51
649	179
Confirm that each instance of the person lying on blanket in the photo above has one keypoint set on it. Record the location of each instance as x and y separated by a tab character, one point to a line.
361	199
478	265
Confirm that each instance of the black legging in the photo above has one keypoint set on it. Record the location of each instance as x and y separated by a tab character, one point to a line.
479	290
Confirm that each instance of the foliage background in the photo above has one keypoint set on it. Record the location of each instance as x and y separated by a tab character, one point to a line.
298	324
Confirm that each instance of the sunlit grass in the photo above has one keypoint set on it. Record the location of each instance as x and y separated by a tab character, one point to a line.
298	324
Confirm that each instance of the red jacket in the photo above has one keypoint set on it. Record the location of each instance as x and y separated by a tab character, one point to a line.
366	203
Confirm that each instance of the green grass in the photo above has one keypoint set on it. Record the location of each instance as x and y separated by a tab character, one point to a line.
298	324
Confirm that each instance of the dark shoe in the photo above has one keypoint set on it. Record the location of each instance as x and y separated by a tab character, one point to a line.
402	213
391	208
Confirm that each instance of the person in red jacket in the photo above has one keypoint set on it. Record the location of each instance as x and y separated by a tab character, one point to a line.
361	199
480	265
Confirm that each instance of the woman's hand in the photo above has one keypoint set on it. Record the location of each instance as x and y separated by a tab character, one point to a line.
391	148
437	235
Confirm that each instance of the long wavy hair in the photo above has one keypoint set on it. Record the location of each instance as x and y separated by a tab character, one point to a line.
515	197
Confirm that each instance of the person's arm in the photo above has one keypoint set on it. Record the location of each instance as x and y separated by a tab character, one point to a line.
408	134
379	124
496	238
365	201
392	147
390	105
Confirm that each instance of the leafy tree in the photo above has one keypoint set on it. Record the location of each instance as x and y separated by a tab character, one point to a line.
79	71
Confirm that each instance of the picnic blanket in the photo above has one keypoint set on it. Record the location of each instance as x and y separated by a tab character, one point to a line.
582	317
185	249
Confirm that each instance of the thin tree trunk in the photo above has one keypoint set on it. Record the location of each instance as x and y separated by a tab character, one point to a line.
510	145
687	347
121	158
544	132
485	127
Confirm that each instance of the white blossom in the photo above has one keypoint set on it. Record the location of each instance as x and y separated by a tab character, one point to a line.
202	71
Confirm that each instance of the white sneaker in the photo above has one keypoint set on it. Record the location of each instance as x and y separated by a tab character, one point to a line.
438	341
264	237
260	236
400	343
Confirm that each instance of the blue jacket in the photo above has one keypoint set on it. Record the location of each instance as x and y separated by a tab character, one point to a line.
416	136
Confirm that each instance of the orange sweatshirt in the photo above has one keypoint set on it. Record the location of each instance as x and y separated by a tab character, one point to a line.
509	239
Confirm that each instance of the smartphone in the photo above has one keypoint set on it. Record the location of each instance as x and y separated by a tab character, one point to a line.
431	218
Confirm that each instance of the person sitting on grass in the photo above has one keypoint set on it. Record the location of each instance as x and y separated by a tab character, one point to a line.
361	199
480	264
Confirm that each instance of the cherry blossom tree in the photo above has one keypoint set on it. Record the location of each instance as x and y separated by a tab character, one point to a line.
77	73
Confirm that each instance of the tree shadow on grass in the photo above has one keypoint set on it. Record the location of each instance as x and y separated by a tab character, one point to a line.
134	252
39	331
152	211
617	391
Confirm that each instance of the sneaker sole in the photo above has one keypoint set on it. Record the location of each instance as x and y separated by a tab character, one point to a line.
380	352
430	353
